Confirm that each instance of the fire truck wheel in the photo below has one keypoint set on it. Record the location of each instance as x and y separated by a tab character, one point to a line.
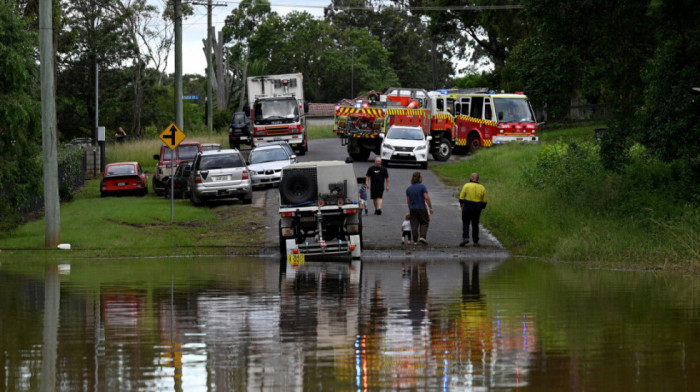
297	187
360	156
473	143
443	152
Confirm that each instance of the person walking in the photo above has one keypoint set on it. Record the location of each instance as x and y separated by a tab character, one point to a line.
376	176
418	199
472	199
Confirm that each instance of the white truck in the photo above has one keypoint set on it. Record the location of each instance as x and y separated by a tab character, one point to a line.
278	110
319	211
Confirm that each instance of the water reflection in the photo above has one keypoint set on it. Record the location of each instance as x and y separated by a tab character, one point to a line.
251	324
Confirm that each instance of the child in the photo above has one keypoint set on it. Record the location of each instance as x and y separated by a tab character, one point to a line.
363	198
406	229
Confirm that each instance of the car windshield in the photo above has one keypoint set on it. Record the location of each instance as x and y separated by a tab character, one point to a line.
121	170
220	162
405	133
185	152
276	109
513	110
268	155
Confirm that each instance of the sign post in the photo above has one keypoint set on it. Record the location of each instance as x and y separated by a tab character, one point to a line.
172	137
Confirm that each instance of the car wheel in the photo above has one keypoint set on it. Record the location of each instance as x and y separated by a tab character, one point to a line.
248	200
196	200
444	150
424	165
156	185
473	143
297	187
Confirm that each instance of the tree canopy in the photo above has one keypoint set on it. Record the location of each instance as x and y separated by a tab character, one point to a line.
639	58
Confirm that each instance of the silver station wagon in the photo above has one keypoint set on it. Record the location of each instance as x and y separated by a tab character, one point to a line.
221	174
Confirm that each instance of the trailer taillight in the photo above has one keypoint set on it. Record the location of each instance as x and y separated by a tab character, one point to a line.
286	214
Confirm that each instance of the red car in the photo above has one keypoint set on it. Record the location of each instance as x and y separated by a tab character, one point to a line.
123	178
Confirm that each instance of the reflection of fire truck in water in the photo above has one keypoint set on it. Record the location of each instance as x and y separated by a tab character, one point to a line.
277	110
459	120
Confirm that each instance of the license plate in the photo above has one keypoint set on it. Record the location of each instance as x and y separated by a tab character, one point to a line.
223	178
296	259
121	184
519	139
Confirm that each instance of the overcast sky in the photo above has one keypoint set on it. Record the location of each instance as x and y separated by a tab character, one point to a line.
194	28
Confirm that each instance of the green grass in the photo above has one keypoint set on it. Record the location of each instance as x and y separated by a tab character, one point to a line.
141	226
320	132
539	223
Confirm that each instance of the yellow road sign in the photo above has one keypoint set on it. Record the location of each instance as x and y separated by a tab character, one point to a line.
172	136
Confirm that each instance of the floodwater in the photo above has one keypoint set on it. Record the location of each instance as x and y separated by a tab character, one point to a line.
251	324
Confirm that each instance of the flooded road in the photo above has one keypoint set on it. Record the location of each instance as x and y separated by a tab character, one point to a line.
243	324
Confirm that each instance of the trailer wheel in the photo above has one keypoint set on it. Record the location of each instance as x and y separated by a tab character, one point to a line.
444	150
297	187
473	143
283	245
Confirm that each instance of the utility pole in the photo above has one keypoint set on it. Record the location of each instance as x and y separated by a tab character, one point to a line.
52	206
210	65
178	64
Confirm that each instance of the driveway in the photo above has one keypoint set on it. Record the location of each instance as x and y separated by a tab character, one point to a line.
382	233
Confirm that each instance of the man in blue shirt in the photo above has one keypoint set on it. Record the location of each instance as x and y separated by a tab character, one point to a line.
419	204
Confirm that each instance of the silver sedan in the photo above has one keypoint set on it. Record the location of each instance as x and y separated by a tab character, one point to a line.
265	164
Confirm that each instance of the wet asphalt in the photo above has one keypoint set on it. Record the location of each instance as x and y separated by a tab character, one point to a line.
382	233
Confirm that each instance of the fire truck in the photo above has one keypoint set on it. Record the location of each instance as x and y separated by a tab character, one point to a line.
277	110
485	118
359	125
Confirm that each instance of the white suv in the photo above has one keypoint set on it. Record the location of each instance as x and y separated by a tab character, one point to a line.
219	174
404	144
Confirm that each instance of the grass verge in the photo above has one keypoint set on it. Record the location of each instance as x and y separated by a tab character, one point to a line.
541	223
141	226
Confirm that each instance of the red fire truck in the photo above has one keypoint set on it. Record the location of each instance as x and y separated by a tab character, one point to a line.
486	118
360	124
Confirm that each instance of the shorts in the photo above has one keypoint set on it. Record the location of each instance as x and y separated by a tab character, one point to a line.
376	193
406	234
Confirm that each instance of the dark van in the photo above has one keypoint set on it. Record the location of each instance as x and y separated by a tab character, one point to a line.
239	130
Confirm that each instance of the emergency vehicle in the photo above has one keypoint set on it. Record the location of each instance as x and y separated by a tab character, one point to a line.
486	118
277	110
359	125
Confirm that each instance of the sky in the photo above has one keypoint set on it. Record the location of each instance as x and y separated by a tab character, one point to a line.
194	28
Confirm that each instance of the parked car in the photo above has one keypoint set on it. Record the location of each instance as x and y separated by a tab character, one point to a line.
239	130
179	187
219	174
184	153
265	163
123	178
404	144
286	146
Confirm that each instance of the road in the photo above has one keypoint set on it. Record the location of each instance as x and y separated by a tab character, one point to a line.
382	233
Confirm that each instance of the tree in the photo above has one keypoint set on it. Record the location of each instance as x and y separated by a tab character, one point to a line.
20	128
418	58
243	22
299	43
476	31
667	120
